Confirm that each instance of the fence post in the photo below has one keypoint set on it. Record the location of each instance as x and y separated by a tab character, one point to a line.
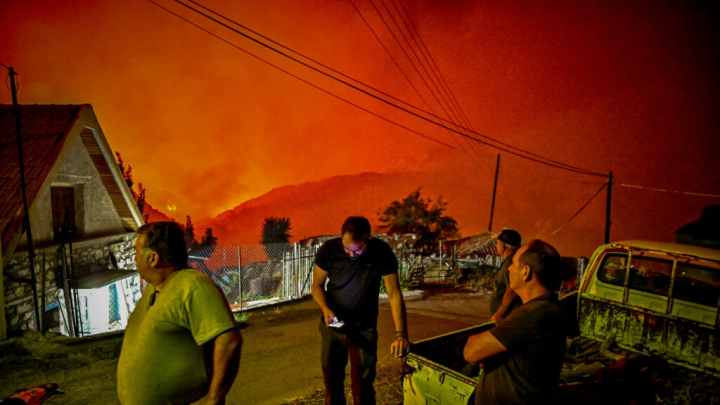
240	275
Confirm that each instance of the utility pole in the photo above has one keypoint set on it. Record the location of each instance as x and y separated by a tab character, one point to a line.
607	208
26	217
492	207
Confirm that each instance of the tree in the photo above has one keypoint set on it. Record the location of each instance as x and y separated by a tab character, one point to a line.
140	200
139	197
423	217
127	173
190	233
208	239
276	230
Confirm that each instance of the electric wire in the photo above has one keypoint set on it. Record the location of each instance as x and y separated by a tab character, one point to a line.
452	115
407	56
401	70
416	34
548	162
299	78
454	107
580	210
669	191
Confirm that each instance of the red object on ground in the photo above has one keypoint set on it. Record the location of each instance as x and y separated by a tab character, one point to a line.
31	396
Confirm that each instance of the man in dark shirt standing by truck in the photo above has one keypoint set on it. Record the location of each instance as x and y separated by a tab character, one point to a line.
355	264
522	356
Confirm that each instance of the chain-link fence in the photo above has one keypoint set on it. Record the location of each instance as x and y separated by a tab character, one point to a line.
253	275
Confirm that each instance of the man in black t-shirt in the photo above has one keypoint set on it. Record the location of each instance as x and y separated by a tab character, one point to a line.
353	266
522	356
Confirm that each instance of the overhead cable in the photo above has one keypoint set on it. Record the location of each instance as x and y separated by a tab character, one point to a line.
301	79
580	210
546	162
402	72
670	191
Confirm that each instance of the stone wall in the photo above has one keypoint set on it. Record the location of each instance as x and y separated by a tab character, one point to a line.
88	256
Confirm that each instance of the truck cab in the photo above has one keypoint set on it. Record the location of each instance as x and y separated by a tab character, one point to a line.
659	298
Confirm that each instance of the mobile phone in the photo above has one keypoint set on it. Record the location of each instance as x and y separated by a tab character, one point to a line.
335	322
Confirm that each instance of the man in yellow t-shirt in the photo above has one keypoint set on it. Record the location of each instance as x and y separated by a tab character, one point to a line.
181	344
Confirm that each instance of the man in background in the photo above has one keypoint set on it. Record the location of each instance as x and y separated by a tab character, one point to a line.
181	343
353	266
504	299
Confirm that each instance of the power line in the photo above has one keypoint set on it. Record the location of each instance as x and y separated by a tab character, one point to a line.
437	90
453	105
299	78
557	165
414	33
669	191
580	210
401	70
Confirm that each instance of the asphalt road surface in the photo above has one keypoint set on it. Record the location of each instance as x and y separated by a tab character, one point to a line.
281	353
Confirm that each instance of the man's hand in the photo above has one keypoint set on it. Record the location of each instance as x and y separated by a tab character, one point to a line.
497	317
400	347
328	314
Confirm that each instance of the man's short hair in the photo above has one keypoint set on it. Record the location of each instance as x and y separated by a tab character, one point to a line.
544	261
167	239
358	227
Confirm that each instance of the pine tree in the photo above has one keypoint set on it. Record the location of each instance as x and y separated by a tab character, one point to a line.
190	233
141	198
208	239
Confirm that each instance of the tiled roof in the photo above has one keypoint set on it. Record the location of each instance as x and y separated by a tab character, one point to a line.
44	128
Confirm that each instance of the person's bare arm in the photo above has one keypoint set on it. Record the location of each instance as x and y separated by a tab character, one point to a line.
481	347
401	345
318	293
501	313
226	362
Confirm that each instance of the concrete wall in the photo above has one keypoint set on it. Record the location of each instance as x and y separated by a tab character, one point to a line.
95	212
88	256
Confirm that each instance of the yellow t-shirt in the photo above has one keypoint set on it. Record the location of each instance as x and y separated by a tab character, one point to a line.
162	359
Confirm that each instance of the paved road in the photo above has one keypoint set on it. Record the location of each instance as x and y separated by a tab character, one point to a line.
281	358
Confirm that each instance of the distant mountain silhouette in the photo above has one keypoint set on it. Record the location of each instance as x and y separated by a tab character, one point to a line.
155	215
320	207
528	200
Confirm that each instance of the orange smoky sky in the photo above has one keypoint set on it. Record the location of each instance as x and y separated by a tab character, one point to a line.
630	87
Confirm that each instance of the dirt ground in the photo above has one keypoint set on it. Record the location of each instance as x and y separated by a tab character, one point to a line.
280	354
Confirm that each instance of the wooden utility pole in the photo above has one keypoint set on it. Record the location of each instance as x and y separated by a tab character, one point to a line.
607	208
492	207
26	217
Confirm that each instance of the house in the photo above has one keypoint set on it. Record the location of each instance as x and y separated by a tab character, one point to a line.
82	215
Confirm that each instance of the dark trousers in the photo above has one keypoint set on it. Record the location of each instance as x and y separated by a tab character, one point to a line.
361	346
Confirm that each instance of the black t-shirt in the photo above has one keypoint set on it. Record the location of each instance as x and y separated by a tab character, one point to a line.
354	283
528	372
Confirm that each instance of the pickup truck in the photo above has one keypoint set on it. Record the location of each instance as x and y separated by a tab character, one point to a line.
647	299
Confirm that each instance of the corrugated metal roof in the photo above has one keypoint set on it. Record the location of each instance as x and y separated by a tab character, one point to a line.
43	129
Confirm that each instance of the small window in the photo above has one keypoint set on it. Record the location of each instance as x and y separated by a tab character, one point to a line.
650	275
612	270
697	284
63	213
